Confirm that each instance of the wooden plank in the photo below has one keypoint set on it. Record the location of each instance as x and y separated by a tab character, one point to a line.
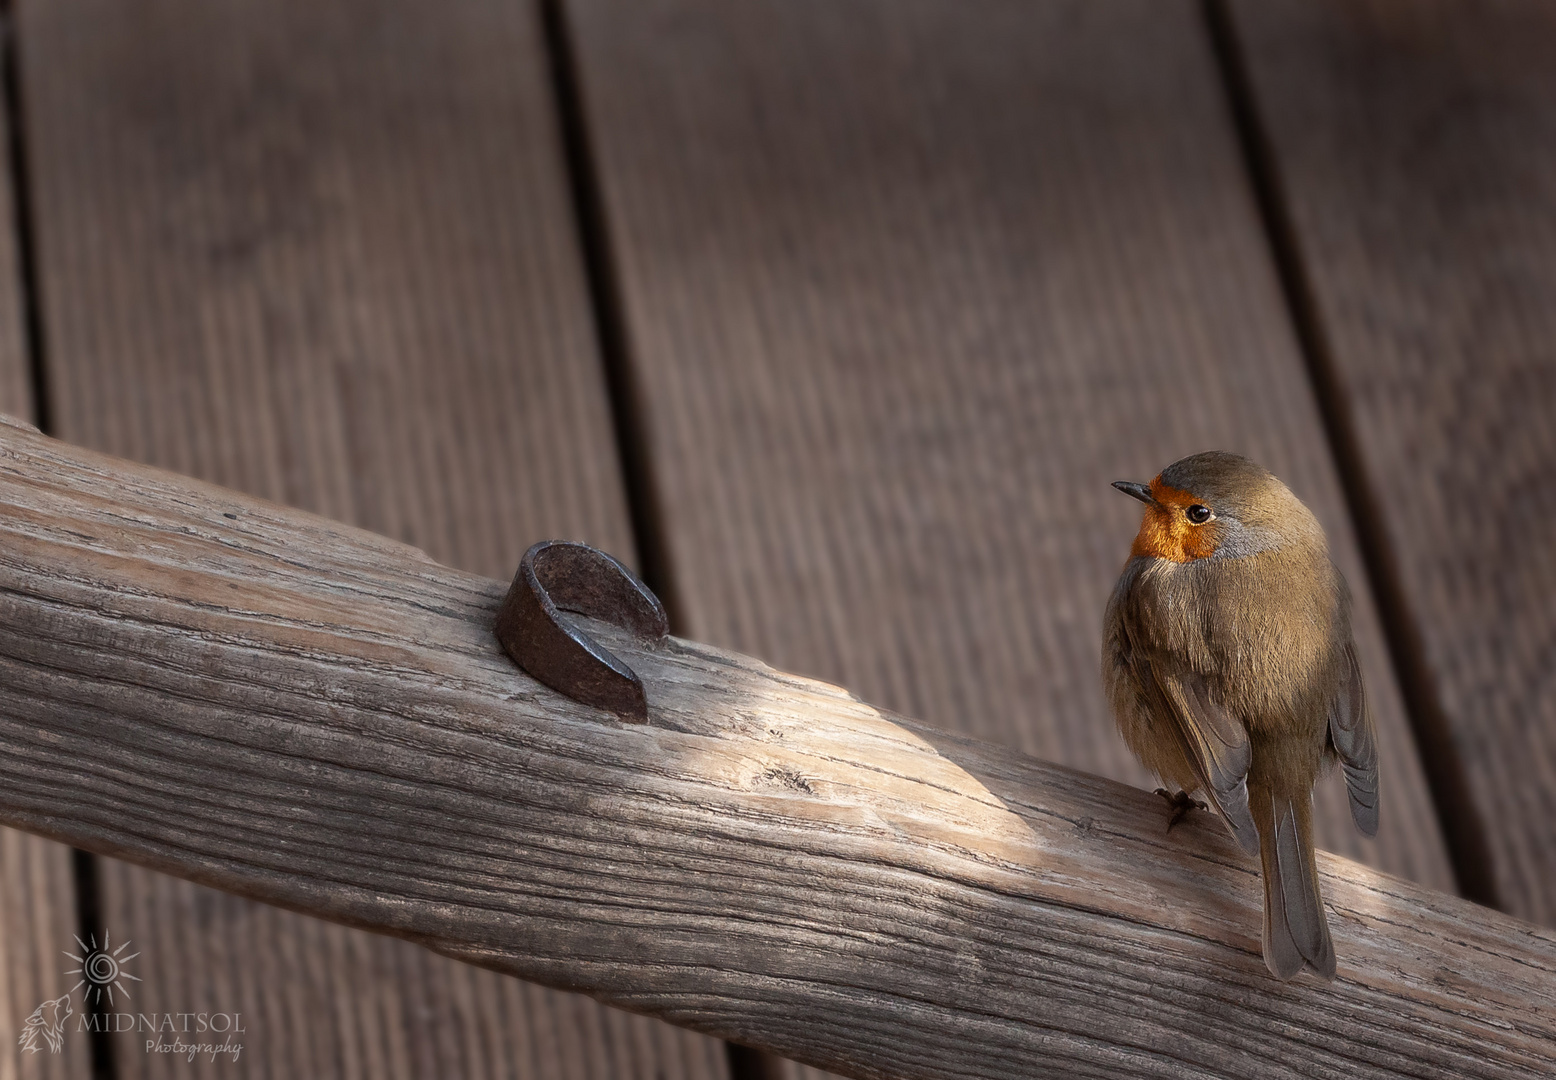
1416	148
904	291
323	253
15	385
37	885
38	915
303	712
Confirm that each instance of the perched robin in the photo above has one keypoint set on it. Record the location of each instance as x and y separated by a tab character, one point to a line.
1227	657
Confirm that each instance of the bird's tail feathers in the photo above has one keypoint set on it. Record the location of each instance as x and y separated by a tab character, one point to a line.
1296	932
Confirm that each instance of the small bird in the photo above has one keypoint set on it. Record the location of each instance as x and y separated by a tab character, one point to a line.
1228	660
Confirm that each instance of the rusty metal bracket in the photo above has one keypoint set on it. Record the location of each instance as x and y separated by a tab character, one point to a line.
560	575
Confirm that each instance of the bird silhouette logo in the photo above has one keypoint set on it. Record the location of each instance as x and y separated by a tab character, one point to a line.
46	1025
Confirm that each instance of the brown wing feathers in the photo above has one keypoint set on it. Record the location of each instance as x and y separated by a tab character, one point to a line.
1217	746
1351	735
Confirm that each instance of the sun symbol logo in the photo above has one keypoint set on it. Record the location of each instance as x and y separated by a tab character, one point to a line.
101	971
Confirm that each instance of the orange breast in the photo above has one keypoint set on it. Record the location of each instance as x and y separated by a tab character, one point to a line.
1165	533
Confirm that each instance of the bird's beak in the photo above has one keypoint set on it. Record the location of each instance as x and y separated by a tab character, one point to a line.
1138	491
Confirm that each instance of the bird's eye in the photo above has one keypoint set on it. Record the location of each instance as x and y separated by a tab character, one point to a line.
1198	514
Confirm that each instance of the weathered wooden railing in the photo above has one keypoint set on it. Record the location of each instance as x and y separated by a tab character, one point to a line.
293	710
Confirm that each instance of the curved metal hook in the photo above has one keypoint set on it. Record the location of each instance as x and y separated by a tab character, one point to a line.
561	575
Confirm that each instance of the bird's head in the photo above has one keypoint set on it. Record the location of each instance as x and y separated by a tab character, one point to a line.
1217	505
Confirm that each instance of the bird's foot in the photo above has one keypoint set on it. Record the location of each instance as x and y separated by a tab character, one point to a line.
1181	804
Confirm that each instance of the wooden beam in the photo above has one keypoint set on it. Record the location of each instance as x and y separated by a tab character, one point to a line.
310	715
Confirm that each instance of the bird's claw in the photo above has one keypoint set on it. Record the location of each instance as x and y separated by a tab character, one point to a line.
1181	804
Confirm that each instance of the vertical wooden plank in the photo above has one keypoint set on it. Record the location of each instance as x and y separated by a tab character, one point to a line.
1415	145
15	385
904	290
323	253
38	918
37	887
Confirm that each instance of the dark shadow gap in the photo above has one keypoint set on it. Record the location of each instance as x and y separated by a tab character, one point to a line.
92	934
83	865
748	1064
22	219
626	400
1457	816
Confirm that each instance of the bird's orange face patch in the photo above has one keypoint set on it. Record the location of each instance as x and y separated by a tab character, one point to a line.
1165	531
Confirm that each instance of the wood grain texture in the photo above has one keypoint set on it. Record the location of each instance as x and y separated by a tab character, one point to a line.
320	718
321	252
37	887
904	291
1416	143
